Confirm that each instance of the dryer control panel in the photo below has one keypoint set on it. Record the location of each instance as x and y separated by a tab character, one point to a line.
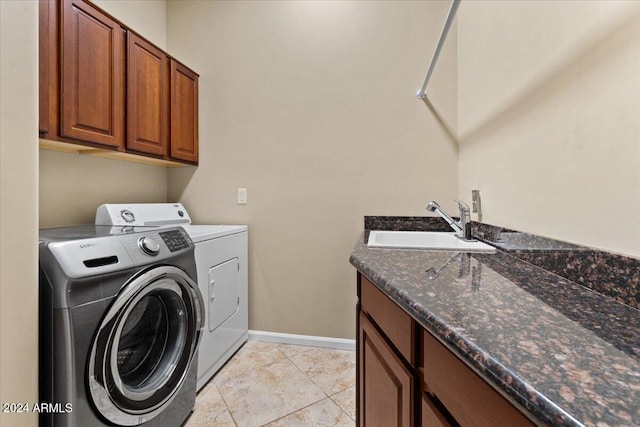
142	214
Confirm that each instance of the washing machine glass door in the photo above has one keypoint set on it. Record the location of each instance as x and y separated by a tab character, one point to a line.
145	345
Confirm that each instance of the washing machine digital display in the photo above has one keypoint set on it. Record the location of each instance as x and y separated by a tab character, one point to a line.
174	240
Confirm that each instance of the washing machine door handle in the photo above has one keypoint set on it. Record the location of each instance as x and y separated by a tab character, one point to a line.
144	279
153	275
197	295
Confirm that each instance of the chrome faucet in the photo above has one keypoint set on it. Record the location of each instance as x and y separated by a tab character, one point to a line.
462	227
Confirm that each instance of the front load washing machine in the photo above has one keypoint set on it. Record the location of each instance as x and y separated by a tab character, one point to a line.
222	265
120	323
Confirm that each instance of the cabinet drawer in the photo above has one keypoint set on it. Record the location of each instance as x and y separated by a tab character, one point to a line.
397	325
431	416
470	400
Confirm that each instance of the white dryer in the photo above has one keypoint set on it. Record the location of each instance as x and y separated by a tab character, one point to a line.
221	254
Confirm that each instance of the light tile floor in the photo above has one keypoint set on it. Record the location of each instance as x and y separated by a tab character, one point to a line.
268	384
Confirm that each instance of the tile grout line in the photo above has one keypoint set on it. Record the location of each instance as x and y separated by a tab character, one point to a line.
225	405
310	379
275	346
339	406
304	373
242	355
236	354
291	413
298	368
307	377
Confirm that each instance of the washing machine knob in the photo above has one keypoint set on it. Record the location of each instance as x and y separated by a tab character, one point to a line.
149	246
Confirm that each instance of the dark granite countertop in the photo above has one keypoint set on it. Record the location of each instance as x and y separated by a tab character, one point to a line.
566	353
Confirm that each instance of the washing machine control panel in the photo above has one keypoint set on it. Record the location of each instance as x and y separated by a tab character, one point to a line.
85	251
174	240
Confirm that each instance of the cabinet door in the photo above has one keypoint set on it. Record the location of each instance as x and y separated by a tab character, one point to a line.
147	97
93	76
184	113
386	384
44	39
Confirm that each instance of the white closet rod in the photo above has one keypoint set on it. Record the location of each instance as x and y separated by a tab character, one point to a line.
443	36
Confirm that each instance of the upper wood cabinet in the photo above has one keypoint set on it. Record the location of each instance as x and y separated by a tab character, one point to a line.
184	113
147	98
44	64
92	90
104	86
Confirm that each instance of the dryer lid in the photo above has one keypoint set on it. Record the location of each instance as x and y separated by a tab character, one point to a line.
200	233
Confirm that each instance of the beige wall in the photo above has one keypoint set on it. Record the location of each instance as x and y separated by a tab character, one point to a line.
147	17
18	208
72	185
549	101
312	107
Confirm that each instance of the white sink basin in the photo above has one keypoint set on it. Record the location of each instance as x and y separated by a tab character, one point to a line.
425	240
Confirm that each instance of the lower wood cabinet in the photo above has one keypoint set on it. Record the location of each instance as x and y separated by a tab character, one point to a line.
466	396
386	384
431	415
406	377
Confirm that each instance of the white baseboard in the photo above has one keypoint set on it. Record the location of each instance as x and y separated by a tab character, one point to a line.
309	340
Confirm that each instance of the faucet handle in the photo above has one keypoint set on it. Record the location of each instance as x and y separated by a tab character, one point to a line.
464	208
465	219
